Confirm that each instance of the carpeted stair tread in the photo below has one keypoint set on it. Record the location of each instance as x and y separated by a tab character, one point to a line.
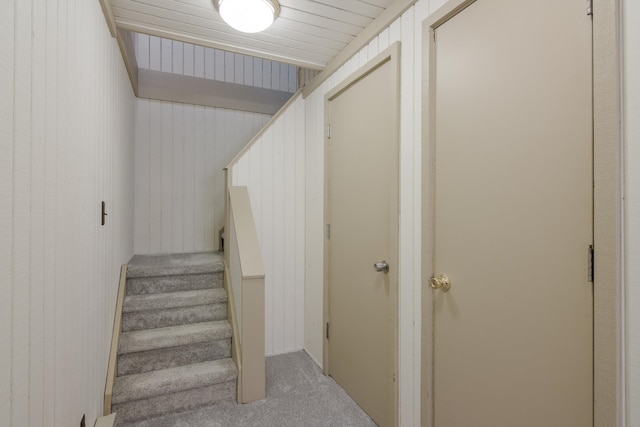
155	383
175	264
177	402
152	319
174	283
143	302
172	336
163	358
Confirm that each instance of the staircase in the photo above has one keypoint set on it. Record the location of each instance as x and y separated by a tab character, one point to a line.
174	353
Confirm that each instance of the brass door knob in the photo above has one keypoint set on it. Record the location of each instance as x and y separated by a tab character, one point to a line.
441	282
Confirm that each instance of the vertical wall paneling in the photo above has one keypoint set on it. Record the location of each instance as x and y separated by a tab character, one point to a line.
229	67
273	169
189	178
219	59
209	182
200	187
209	64
300	226
314	193
248	71
142	51
155	174
142	182
257	72
51	206
21	214
166	60
38	210
166	139
188	59
631	129
155	53
177	58
7	27
66	144
198	61
238	71
266	74
177	198
180	151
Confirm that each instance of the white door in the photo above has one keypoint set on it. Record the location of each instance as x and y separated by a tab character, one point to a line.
513	337
362	210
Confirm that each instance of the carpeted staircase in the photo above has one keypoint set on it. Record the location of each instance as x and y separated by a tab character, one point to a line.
175	347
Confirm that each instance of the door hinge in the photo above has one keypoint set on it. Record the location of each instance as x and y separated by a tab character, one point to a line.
329	131
590	257
327	331
589	7
327	231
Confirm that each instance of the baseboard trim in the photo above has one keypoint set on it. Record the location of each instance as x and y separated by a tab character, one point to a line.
115	339
235	336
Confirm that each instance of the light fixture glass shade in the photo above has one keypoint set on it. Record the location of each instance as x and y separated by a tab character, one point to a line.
248	16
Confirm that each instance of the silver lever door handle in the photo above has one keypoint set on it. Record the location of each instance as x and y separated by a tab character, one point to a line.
381	266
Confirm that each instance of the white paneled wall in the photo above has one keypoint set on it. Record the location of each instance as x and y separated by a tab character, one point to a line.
631	108
66	144
160	54
180	154
7	49
273	169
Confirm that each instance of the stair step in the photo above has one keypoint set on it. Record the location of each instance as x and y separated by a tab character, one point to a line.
165	381
163	358
151	394
173	336
175	264
176	283
144	302
173	317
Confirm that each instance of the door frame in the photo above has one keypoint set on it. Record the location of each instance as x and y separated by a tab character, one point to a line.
608	357
391	55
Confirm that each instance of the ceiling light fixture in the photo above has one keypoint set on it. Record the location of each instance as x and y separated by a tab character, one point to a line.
248	16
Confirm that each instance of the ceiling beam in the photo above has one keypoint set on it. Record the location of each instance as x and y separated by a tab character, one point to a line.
209	93
108	16
126	43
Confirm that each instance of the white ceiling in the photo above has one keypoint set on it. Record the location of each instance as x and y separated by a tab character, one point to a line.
308	33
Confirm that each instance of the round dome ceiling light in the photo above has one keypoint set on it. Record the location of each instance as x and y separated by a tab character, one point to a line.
248	16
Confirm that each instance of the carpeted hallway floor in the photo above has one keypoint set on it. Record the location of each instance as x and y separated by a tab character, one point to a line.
298	394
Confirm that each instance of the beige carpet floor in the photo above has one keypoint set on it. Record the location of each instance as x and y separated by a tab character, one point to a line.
298	395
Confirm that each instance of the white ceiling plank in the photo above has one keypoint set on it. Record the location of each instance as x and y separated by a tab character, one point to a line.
324	10
320	21
201	27
357	7
379	3
282	55
302	28
309	39
308	33
198	17
282	22
386	18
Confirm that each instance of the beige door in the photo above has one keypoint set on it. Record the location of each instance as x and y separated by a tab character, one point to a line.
362	210
513	343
